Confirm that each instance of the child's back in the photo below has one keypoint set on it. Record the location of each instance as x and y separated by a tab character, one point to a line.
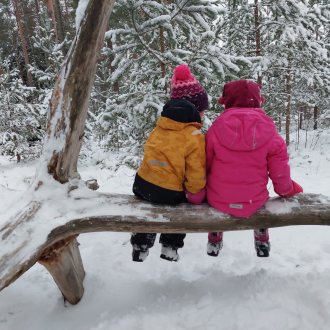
174	156
243	149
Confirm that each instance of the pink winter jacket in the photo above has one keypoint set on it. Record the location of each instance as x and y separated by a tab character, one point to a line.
243	149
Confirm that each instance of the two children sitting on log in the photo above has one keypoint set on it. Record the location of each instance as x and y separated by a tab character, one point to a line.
243	150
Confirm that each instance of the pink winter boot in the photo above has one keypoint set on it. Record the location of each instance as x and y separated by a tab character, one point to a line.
214	244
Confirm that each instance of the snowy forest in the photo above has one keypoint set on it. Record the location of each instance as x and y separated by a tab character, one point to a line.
282	45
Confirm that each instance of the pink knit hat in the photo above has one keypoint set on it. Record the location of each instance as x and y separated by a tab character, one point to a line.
185	86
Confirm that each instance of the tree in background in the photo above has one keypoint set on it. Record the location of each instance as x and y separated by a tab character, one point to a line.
30	60
146	40
291	60
21	118
295	60
282	44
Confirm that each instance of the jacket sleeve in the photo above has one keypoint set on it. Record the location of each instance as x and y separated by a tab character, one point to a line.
195	179
278	166
209	150
197	198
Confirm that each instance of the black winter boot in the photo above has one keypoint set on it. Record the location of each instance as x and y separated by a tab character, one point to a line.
169	253
262	249
139	253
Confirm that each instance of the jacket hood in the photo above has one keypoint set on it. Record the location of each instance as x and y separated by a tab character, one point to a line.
241	94
182	111
169	124
244	129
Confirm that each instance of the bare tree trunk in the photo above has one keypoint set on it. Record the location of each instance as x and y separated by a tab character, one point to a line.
66	8
69	102
24	44
279	121
69	16
37	10
288	86
115	85
59	20
51	13
65	131
162	49
316	115
257	22
36	4
301	118
298	132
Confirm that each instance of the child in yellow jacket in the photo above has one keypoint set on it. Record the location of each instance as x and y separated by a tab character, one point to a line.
173	166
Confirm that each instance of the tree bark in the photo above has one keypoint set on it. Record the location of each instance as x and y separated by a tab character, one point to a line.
315	116
301	118
257	22
309	209
51	14
59	20
63	261
129	214
69	102
37	11
24	44
288	87
115	85
162	49
36	5
65	130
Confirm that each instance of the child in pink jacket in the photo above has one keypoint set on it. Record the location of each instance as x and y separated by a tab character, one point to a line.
243	150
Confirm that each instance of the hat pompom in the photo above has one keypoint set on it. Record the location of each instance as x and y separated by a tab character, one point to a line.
185	86
182	72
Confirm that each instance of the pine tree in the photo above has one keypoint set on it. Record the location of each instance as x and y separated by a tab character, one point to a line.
21	121
49	54
296	56
148	39
23	108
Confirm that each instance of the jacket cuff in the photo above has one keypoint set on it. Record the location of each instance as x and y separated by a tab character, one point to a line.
197	198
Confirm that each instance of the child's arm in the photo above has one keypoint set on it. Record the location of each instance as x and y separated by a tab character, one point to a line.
197	198
195	178
296	189
209	150
279	169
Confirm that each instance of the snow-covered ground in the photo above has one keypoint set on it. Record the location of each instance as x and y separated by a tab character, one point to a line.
237	290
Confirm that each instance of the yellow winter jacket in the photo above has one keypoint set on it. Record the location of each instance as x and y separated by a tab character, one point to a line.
174	156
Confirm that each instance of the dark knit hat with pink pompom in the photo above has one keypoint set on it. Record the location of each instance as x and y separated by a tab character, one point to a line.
185	86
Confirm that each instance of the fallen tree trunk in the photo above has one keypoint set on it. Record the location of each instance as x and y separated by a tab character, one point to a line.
126	213
189	218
